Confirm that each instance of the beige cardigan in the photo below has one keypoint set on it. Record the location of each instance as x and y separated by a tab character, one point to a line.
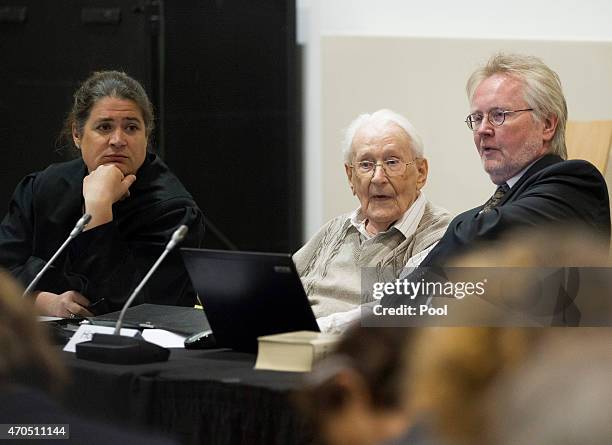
330	263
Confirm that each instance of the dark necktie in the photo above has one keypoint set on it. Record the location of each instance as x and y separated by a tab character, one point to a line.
496	198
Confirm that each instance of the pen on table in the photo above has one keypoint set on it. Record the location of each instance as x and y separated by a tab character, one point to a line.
95	303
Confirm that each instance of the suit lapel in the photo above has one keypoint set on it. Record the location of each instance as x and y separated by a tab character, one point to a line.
540	164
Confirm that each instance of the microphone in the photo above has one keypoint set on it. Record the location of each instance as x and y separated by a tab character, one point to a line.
78	228
177	237
115	348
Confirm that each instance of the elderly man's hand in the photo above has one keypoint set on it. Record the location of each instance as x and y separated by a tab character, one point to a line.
70	304
101	189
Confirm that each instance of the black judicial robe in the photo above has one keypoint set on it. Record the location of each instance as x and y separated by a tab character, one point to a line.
107	261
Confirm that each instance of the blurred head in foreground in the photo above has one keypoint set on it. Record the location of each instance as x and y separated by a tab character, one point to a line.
561	396
452	370
455	368
26	355
358	395
542	247
539	277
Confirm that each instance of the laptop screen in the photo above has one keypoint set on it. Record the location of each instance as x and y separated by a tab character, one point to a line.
246	295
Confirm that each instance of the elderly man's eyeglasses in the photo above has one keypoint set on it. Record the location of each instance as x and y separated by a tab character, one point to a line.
495	116
391	167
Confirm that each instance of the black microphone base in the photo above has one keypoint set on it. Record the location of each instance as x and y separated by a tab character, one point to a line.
108	348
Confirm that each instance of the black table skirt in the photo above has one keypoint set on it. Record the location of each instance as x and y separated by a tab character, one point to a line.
209	397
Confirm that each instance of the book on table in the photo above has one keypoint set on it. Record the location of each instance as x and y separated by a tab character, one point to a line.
294	351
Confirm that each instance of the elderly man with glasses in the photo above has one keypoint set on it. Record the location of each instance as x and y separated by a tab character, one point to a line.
394	224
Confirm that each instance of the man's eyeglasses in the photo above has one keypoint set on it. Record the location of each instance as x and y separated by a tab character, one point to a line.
495	116
391	167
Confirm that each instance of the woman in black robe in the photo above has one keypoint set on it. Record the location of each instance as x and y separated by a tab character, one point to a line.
134	200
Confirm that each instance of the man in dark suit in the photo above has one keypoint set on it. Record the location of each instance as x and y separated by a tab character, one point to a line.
518	115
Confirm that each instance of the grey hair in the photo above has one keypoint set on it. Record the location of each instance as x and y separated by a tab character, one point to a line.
542	92
383	115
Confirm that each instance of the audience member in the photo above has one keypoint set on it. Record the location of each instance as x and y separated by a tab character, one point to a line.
358	395
561	396
451	371
31	375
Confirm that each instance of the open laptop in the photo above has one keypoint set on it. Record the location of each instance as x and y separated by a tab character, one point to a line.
246	295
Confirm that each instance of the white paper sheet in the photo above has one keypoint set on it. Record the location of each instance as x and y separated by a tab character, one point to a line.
164	338
85	332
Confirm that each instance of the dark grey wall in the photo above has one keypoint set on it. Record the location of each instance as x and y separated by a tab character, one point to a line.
221	73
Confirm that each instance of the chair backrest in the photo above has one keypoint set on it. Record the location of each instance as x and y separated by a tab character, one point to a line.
591	141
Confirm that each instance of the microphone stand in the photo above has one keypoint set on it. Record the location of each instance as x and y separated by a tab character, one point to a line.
115	348
78	228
